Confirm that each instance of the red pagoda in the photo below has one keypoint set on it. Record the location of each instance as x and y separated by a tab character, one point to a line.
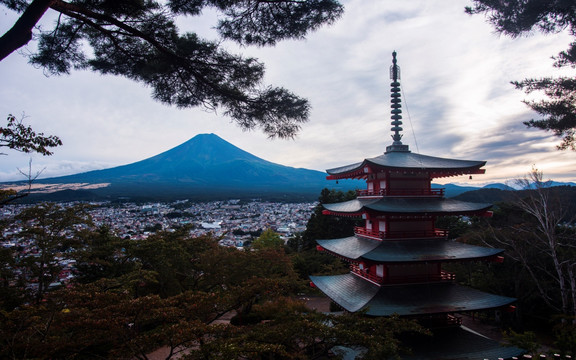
396	258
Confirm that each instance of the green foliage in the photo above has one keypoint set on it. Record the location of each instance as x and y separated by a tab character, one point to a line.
290	331
307	260
256	27
526	340
171	291
321	226
314	262
173	258
138	296
558	111
17	136
7	196
87	322
52	229
535	230
518	17
269	239
140	40
101	255
515	231
12	290
455	225
565	337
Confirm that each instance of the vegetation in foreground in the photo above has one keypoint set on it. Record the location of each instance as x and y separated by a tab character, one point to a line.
129	298
536	230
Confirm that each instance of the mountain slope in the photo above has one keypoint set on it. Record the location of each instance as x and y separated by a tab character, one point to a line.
205	165
203	159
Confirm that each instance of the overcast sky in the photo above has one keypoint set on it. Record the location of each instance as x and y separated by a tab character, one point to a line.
457	98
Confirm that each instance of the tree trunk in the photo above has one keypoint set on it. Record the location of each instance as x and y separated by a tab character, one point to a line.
21	33
572	276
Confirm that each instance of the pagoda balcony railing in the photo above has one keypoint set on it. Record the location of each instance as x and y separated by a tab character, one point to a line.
366	192
444	276
366	274
405	234
400	192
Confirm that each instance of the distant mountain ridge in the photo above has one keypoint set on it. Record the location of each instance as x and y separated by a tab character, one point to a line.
204	167
207	167
453	190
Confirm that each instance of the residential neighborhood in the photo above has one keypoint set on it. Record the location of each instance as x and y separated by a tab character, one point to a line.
234	221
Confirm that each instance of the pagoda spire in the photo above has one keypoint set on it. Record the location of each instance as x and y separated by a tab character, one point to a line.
396	108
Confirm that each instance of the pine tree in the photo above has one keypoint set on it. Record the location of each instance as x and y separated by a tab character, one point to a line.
519	17
139	39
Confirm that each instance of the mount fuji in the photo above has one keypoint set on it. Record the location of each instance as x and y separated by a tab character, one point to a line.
205	167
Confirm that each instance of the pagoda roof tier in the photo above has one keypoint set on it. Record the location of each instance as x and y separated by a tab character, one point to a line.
406	160
406	251
354	293
396	205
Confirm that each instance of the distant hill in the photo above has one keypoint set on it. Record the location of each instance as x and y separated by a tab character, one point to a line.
495	191
487	195
205	167
498	186
565	195
452	190
551	183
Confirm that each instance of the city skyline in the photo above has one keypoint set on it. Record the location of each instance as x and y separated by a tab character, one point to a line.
457	99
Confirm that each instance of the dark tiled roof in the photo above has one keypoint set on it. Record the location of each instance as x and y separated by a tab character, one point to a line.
351	247
354	293
394	251
410	160
346	290
408	206
346	168
351	206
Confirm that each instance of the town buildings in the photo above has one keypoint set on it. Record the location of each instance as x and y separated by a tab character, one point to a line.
234	222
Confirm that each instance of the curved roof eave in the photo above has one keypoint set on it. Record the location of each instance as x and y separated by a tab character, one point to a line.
432	298
406	251
430	250
407	161
354	293
408	206
346	168
351	247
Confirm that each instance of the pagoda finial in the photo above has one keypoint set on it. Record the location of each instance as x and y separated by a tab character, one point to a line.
396	108
394	69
